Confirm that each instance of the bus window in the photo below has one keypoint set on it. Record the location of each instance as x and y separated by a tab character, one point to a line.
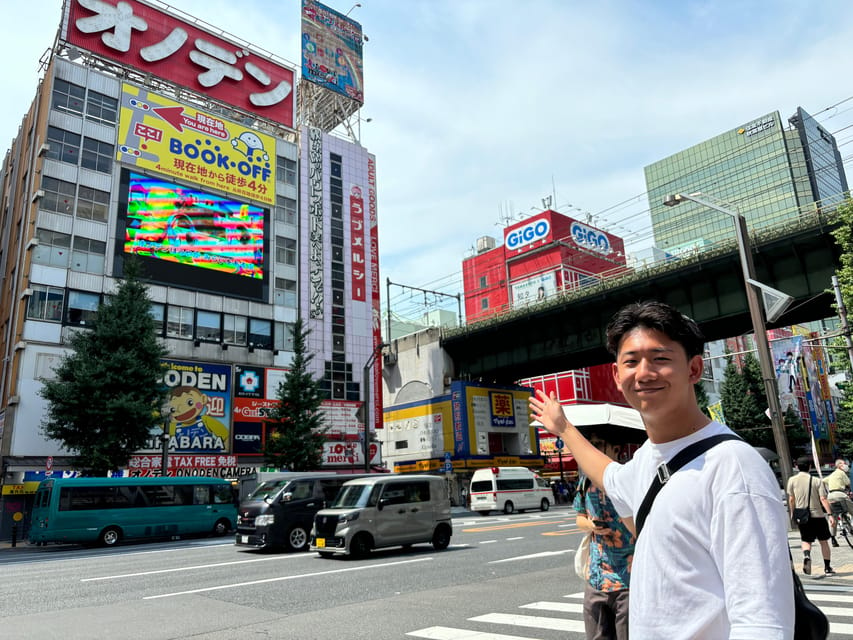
201	495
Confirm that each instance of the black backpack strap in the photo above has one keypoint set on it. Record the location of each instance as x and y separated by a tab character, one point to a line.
668	468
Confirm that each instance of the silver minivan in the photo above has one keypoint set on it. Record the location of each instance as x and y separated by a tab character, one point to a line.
384	511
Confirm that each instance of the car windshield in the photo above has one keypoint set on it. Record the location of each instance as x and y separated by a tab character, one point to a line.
352	495
267	490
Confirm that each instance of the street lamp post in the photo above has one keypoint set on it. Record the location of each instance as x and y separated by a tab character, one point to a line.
756	313
365	406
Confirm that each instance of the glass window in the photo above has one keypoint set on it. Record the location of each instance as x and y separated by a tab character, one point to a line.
234	329
207	325
100	107
64	145
285	170
52	249
260	333
82	307
46	303
285	250
483	281
93	204
158	314
484	303
285	210
58	196
283	336
285	292
88	255
179	322
67	97
97	155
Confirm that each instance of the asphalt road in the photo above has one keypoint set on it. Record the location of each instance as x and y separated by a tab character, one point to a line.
502	578
208	588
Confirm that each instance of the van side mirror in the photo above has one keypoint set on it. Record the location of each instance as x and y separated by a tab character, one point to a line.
381	504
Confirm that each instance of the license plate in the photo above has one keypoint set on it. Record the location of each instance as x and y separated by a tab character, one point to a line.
481	497
244	539
320	543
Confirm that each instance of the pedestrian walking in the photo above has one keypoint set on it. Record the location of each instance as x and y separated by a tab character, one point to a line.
838	490
712	560
809	494
611	551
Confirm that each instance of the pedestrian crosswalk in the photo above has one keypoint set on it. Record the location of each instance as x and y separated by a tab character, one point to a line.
545	620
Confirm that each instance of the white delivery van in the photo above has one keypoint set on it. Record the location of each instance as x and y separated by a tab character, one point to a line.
509	489
384	511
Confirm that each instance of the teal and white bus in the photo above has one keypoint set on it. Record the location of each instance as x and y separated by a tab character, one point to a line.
107	510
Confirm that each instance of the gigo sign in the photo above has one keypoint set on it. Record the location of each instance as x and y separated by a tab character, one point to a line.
589	238
529	233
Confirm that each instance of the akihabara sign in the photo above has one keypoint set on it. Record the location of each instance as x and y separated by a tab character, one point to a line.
162	44
180	141
199	405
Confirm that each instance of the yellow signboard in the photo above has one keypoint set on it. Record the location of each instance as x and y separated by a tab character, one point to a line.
180	141
20	488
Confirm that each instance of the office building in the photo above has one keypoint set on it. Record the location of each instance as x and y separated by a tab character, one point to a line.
222	174
768	172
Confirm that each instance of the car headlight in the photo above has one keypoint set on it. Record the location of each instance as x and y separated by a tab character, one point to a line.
264	520
348	517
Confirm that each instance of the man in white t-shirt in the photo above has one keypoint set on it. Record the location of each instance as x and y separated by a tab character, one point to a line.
712	560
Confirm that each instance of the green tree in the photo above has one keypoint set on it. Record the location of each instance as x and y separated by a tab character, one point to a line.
106	396
744	402
844	421
799	441
295	423
702	398
843	234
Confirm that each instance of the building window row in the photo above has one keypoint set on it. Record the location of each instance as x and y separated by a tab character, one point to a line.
285	170
71	98
55	249
56	304
285	210
75	149
88	203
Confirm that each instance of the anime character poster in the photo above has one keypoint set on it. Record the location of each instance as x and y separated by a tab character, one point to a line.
199	405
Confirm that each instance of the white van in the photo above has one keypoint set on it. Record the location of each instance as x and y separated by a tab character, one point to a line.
509	489
384	511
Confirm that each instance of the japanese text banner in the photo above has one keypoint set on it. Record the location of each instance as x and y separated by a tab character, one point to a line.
177	140
164	45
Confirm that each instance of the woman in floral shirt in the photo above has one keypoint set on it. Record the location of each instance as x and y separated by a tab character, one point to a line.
611	551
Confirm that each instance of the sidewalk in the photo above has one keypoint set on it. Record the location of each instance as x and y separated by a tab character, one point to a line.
841	560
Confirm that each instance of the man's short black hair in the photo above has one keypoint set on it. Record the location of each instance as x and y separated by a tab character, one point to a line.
804	463
660	317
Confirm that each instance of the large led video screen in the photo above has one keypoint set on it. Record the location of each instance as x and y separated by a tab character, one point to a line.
185	236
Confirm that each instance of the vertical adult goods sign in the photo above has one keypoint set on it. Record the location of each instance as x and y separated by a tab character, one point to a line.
162	44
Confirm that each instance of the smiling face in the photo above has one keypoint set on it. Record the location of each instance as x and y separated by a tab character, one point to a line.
656	377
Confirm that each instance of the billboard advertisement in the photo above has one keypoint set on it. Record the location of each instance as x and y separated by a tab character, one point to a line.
168	46
187	236
194	146
332	50
256	392
526	235
199	402
535	289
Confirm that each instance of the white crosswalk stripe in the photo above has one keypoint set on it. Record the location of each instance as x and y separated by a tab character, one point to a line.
838	607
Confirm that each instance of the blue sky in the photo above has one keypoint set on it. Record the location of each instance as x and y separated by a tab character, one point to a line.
481	108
